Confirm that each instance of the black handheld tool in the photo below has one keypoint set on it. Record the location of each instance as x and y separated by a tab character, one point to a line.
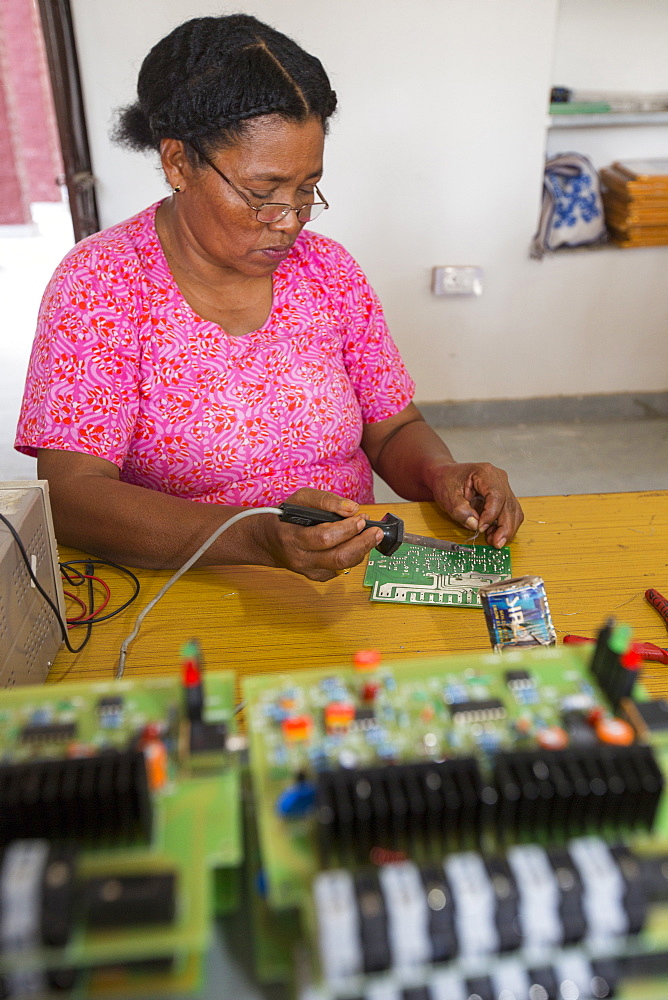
391	526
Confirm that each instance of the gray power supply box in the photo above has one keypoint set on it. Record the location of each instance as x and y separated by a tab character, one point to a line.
30	635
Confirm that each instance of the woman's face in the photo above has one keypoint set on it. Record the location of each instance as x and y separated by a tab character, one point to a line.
276	161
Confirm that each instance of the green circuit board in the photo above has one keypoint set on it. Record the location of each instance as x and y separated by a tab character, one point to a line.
432	709
420	575
311	734
529	705
186	827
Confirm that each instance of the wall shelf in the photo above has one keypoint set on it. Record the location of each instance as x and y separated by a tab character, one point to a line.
607	119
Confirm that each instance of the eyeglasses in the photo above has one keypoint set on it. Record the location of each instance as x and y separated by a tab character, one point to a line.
273	211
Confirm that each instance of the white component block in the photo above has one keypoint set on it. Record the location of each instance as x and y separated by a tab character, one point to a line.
407	913
457	279
338	925
30	635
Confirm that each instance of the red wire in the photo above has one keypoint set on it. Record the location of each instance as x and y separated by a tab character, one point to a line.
84	609
91	617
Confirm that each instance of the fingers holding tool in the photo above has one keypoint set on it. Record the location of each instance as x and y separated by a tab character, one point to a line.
322	534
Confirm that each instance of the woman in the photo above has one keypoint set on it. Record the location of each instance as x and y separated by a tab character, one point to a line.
210	354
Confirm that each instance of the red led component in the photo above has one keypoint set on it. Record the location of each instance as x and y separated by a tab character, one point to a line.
370	691
631	659
151	731
366	659
192	674
595	715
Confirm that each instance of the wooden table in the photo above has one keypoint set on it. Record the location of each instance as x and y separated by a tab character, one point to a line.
596	553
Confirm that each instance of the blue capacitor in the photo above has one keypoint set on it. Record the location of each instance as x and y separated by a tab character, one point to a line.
296	801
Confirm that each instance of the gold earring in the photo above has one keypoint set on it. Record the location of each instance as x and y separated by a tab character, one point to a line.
176	189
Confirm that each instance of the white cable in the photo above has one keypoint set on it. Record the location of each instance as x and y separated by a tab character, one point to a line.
179	573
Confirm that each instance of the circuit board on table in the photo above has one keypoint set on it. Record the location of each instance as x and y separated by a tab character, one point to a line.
419	575
484	826
399	806
121	827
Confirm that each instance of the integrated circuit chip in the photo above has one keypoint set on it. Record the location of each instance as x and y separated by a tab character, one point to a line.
54	732
485	710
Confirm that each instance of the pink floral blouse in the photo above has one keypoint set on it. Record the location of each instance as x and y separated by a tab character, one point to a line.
122	368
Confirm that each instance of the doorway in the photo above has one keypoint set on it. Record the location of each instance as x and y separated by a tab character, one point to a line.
47	198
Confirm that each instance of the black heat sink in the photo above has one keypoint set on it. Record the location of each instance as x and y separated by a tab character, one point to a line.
398	807
448	806
565	793
101	799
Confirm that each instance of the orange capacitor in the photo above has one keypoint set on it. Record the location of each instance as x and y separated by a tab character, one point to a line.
155	754
615	731
338	716
297	728
552	738
366	659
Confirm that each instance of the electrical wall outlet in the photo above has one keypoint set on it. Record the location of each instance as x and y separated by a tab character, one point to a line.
457	279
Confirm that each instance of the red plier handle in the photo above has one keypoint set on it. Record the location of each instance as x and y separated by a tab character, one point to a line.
646	650
659	602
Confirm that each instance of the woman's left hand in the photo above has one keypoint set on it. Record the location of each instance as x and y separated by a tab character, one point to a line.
412	459
478	496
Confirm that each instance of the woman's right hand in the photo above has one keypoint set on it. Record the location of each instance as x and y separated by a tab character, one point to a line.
96	512
323	550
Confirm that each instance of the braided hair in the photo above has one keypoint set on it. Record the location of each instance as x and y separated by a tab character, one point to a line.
209	77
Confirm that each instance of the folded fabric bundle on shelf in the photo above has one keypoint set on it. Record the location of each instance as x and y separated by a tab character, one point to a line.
635	198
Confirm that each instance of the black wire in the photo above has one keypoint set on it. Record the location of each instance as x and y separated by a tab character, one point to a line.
91	605
68	578
71	565
40	588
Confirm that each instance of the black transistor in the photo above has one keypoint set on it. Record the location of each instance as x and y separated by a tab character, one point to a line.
441	910
506	903
373	923
571	909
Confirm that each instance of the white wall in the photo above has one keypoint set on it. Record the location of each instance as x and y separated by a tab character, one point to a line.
435	157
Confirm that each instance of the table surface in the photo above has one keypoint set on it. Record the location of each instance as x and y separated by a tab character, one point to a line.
597	554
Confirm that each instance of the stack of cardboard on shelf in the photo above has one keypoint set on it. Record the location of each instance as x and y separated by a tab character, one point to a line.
635	197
